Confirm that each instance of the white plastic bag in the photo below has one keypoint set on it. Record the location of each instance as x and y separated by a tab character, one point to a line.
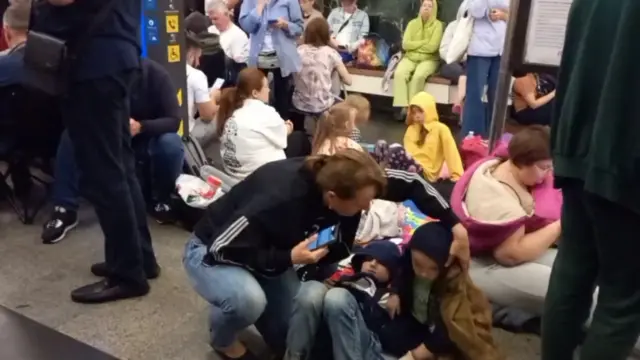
461	38
195	192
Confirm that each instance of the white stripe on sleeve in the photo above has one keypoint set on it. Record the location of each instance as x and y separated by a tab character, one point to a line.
411	177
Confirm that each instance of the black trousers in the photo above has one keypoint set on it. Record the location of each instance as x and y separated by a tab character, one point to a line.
599	246
96	115
298	144
283	91
538	116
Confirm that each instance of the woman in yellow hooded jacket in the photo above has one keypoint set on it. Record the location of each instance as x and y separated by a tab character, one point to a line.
431	144
420	43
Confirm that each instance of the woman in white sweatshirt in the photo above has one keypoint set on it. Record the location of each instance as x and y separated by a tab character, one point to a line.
251	132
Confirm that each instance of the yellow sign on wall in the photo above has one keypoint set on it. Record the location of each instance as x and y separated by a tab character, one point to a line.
173	24
173	53
179	97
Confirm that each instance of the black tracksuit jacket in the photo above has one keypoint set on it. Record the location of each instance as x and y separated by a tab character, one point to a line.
264	216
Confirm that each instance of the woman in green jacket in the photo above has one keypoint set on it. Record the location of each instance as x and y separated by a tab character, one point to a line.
421	42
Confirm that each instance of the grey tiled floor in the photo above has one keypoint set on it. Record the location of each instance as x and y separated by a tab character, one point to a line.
170	323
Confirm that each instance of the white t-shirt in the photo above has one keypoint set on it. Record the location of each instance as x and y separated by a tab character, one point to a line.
344	37
197	92
234	42
253	136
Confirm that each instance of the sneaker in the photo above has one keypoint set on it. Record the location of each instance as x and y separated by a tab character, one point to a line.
62	220
162	213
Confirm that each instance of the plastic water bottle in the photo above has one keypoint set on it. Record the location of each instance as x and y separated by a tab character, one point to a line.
469	135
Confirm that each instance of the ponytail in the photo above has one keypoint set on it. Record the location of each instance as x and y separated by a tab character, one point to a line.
229	102
334	123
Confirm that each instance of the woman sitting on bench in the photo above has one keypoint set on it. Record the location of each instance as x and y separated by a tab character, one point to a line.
421	42
251	132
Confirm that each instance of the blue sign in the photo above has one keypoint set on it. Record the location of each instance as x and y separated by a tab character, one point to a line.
153	37
150	4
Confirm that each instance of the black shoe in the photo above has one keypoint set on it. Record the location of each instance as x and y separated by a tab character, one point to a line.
163	214
100	270
62	220
107	290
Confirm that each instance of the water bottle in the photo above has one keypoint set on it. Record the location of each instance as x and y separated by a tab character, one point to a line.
469	135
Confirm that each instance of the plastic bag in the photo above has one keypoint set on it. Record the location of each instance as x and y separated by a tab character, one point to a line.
195	192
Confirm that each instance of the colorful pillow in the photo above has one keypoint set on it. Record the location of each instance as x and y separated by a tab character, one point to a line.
413	219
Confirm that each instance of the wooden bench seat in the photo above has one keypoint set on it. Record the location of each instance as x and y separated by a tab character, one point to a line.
435	79
369	81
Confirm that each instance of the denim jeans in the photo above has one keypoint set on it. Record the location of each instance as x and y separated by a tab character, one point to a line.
481	71
164	151
239	299
316	304
305	321
350	336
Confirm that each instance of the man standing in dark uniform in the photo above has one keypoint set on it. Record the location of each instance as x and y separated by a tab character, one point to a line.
96	113
596	155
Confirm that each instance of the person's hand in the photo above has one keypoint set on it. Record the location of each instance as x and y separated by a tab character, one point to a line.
301	255
330	283
421	352
333	42
393	305
61	2
134	127
281	24
289	126
499	14
459	250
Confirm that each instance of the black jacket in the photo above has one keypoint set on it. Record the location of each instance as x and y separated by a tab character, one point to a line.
153	101
594	129
264	216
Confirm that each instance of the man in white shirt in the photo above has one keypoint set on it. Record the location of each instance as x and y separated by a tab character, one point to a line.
233	40
200	98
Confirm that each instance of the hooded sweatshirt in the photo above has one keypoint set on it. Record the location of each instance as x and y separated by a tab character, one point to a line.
421	40
439	146
370	293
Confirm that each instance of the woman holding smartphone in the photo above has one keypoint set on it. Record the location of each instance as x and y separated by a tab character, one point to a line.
274	27
241	256
483	62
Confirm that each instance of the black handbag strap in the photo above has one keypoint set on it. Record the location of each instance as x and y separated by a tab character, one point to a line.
345	23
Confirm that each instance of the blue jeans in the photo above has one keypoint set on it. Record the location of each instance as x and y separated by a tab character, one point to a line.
306	319
350	336
481	71
165	152
314	304
239	299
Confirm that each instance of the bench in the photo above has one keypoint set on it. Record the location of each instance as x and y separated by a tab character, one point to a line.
367	81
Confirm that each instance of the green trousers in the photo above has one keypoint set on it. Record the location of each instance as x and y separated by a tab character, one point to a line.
600	246
409	79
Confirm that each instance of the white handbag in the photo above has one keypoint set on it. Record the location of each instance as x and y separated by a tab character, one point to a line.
461	38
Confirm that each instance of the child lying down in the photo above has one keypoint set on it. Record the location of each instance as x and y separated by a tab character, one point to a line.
411	304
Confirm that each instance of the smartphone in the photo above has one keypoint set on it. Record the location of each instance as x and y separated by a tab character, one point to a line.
217	84
325	237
